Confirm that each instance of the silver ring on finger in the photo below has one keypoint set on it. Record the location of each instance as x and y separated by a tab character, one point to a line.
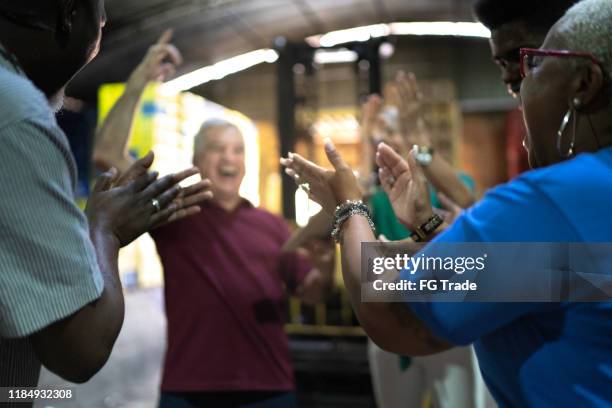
156	205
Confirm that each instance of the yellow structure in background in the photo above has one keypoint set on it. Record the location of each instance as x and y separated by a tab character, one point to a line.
141	138
167	124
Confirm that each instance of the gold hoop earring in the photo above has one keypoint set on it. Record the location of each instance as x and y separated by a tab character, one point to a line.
571	113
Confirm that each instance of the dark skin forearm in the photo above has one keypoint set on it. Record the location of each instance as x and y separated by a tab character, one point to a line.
77	347
390	325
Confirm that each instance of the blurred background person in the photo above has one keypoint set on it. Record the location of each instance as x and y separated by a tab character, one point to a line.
515	25
452	378
226	283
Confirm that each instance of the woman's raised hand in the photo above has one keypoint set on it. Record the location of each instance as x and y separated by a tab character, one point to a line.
327	187
406	186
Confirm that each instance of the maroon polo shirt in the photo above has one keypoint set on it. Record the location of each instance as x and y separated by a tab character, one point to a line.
226	284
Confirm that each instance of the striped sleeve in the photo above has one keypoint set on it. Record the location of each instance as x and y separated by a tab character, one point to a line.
48	267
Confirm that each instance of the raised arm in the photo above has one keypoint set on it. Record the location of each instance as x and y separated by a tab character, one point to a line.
112	138
444	179
369	116
438	171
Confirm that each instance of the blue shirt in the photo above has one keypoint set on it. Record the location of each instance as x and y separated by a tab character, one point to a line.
538	354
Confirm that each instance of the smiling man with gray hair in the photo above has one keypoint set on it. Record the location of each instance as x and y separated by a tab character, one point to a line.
226	283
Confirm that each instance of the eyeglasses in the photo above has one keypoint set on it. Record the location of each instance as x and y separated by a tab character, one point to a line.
529	55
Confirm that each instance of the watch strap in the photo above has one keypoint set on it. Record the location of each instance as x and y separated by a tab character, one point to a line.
424	231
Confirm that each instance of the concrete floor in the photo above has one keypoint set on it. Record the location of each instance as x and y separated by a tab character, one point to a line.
131	377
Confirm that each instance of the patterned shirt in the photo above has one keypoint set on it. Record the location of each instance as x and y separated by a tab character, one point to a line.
48	266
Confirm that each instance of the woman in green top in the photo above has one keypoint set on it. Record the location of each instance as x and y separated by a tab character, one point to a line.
401	381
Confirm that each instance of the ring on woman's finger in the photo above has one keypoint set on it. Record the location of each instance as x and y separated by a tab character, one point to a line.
156	205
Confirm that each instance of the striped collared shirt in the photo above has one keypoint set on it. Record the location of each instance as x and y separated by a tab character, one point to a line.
48	266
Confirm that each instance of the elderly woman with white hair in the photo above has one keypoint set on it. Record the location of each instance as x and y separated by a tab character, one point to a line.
532	354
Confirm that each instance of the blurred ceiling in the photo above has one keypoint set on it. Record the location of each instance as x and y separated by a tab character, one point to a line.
207	31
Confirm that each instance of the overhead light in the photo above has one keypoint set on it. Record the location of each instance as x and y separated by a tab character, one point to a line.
220	70
448	28
359	34
322	57
364	33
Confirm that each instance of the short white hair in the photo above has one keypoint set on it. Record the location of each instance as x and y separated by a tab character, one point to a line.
587	27
200	140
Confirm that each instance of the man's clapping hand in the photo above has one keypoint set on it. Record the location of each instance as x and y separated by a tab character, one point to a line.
138	201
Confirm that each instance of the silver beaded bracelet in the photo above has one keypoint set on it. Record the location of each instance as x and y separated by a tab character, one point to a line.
347	210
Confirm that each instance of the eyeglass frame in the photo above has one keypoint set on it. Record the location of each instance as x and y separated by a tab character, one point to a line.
554	53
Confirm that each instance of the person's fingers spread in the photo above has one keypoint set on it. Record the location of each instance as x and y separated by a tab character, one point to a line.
182	175
141	182
148	159
158	187
161	217
305	168
333	156
143	164
390	159
194	199
137	169
200	186
166	37
105	180
184	213
168	196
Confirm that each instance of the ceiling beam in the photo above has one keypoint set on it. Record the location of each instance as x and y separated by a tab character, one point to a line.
309	13
382	11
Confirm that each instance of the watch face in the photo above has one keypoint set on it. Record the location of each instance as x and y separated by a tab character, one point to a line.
423	158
